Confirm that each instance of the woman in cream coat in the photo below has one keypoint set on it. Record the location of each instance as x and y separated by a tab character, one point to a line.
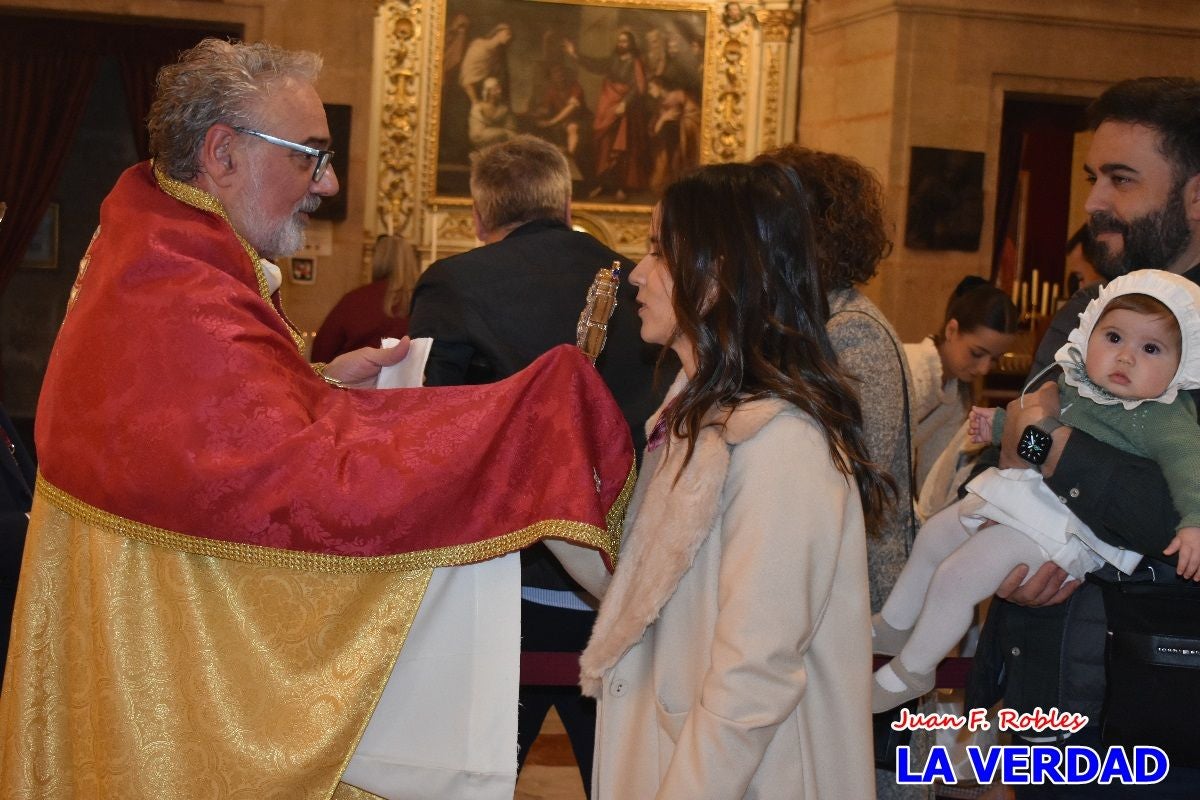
731	654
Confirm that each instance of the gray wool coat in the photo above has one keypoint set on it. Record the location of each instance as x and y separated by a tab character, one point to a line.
870	351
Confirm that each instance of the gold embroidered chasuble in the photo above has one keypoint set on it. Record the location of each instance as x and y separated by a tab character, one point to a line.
225	554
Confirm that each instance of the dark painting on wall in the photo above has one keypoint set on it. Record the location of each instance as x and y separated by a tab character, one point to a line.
945	200
334	208
42	252
617	85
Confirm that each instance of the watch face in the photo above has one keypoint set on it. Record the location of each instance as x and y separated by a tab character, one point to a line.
1034	445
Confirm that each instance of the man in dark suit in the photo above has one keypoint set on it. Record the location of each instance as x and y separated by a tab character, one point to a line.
16	495
493	310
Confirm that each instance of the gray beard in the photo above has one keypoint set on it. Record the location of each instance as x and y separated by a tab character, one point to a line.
276	239
285	239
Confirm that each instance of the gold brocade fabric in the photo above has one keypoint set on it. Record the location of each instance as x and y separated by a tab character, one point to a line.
345	791
151	673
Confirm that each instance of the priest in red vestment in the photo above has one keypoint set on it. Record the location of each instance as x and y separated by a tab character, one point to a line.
227	547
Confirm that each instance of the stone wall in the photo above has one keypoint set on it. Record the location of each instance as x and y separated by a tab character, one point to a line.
882	76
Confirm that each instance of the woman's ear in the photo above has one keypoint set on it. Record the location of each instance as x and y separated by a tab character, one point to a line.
951	330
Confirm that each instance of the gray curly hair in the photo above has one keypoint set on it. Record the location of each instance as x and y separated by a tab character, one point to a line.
216	81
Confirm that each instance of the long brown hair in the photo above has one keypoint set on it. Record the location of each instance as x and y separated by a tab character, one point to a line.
738	243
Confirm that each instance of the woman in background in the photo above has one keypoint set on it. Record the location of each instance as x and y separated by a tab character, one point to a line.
370	313
730	655
850	239
980	326
1081	261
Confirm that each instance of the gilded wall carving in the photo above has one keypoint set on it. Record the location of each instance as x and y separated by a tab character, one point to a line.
399	113
776	23
729	134
454	225
776	26
772	100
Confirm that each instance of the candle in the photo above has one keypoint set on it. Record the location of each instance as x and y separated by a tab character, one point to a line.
1016	290
1054	298
1046	299
433	249
1023	306
1033	290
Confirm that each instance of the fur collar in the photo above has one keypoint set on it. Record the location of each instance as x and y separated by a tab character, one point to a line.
673	520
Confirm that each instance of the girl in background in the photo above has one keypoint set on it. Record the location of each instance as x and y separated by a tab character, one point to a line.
980	326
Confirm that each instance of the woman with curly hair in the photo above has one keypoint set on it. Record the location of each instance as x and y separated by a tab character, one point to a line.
731	653
850	237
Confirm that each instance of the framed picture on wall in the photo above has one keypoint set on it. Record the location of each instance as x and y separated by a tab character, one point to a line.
334	208
945	199
43	249
303	270
619	88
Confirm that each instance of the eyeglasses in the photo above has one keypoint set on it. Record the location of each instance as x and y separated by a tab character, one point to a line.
322	156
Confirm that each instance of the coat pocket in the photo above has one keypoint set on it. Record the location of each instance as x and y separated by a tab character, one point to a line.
670	723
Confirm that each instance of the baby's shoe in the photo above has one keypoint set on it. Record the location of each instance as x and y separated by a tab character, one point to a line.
916	684
886	640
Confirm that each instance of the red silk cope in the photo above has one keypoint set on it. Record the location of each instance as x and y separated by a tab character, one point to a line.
175	397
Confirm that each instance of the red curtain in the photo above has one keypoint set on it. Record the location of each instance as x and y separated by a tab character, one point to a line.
43	93
47	67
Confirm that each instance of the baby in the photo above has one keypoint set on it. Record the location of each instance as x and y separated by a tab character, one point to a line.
1137	346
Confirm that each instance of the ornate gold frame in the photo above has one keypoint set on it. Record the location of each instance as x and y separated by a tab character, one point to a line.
409	53
432	126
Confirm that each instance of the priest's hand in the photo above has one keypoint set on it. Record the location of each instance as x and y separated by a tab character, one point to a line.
359	368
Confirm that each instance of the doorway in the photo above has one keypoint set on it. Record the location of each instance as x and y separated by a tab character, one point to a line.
1039	142
91	150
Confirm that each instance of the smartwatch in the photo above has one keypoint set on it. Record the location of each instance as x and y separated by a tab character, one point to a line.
1035	442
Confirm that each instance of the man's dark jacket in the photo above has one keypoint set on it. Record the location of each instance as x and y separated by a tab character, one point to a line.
492	310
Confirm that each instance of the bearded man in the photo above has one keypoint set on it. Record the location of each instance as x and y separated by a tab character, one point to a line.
1144	213
228	547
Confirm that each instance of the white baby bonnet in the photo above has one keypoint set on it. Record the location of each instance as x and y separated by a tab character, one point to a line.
1176	293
